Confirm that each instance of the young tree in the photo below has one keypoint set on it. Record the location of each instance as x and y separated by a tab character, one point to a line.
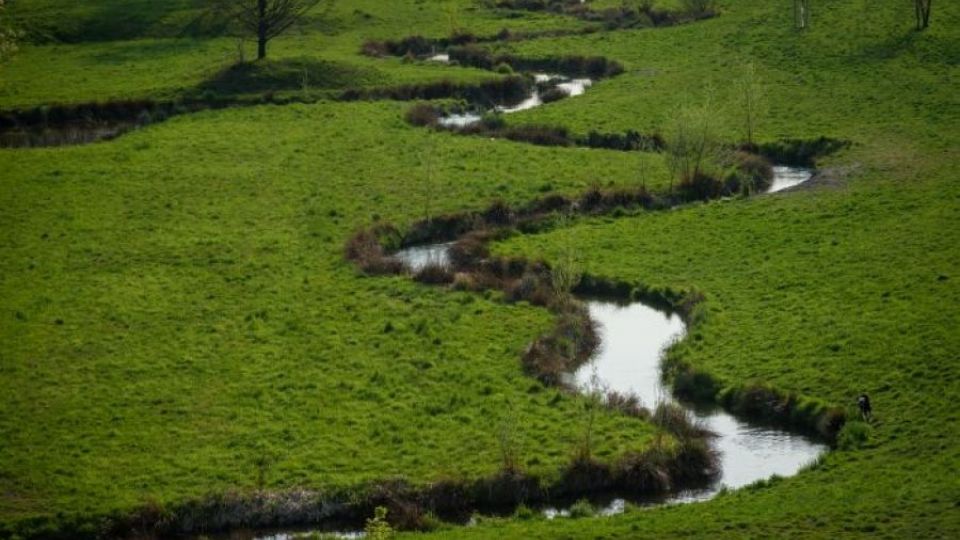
8	34
752	99
594	392
266	19
694	145
801	14
921	10
565	273
430	155
507	440
377	527
643	167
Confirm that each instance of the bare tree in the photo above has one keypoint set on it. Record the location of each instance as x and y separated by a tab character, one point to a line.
266	19
801	14
921	10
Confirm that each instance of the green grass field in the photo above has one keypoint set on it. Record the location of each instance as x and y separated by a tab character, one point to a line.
176	311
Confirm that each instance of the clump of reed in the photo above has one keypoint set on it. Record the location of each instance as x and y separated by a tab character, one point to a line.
700	187
570	344
434	274
223	511
572	65
554	94
440	228
366	248
628	140
678	421
541	135
752	173
584	474
507	90
469	250
798	152
422	114
628	404
764	403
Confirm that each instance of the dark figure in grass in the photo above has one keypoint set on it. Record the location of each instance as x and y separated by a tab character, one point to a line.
866	411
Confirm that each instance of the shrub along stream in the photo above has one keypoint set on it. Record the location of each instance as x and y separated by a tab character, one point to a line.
467	264
61	124
680	458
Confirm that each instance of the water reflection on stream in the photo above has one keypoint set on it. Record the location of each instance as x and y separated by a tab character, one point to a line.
544	81
633	337
787	177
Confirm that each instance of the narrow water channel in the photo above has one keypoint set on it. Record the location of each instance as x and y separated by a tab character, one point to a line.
785	177
545	82
633	338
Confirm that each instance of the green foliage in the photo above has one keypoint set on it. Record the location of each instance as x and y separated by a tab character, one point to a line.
524	512
695	148
582	509
173	295
209	259
855	434
698	6
377	527
9	35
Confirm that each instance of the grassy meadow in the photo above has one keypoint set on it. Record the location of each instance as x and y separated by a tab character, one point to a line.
177	317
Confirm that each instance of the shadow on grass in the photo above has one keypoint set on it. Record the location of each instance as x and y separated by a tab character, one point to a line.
288	74
111	20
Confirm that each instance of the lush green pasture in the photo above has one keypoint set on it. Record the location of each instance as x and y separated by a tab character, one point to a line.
828	292
176	316
98	61
843	287
176	308
859	73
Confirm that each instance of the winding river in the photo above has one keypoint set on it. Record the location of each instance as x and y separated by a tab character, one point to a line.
544	81
633	338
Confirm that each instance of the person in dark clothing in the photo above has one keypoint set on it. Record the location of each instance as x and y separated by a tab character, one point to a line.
866	411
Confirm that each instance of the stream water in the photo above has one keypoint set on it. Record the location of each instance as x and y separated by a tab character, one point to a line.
571	87
417	257
786	177
633	337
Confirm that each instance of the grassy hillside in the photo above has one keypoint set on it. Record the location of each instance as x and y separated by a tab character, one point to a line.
176	316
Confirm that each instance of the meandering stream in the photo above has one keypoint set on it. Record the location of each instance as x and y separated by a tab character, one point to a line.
570	87
633	338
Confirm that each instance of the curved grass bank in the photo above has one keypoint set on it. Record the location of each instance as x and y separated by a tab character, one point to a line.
177	319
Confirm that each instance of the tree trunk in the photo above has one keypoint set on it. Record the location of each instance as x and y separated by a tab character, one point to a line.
922	12
261	29
801	14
